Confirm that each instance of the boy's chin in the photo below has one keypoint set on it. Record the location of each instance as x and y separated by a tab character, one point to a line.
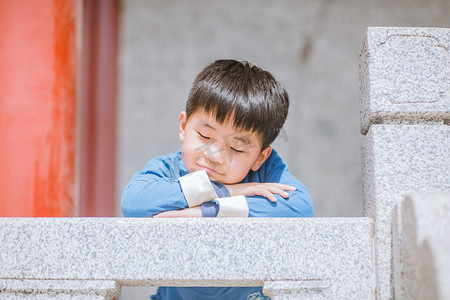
222	180
215	177
212	177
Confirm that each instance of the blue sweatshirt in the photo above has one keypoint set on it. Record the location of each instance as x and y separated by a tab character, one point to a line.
165	184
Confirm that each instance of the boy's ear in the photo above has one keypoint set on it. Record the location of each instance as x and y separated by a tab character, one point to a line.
183	121
261	159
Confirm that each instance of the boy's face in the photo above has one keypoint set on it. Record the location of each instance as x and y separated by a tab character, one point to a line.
226	154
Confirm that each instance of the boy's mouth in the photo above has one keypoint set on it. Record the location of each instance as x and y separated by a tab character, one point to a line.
209	170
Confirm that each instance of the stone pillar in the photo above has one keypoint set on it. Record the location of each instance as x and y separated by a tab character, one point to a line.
405	113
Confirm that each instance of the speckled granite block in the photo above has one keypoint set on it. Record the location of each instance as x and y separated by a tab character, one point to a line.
193	252
404	76
421	260
398	160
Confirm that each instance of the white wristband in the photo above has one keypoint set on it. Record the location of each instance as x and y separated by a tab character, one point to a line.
197	188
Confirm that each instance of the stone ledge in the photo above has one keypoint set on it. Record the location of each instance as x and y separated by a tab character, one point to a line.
14	288
191	252
297	289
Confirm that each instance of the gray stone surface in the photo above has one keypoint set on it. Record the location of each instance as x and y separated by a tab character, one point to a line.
398	160
421	246
435	275
58	289
192	252
405	106
292	290
405	76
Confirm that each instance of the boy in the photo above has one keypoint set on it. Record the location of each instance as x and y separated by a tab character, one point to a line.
226	166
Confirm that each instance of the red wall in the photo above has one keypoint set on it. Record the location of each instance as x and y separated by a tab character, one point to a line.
38	97
41	42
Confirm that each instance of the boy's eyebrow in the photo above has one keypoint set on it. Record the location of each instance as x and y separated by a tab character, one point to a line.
204	123
243	139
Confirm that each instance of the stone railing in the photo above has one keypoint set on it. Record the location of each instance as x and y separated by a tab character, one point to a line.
405	113
92	257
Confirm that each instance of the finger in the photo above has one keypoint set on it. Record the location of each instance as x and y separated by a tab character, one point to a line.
291	188
282	193
282	186
269	195
286	187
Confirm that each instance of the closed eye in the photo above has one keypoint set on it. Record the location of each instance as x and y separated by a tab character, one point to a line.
203	136
236	150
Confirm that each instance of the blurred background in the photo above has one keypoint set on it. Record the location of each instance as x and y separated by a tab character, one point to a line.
311	46
91	90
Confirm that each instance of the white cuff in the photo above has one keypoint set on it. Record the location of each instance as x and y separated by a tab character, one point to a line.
235	206
197	188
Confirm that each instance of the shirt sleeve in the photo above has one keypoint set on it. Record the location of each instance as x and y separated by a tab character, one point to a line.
221	189
197	188
226	207
298	204
158	188
210	209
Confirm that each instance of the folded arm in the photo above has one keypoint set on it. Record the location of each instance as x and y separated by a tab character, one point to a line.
274	192
158	188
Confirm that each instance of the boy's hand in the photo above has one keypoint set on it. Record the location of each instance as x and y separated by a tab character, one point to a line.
267	189
192	212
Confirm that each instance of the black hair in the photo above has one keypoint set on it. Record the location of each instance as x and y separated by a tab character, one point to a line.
242	93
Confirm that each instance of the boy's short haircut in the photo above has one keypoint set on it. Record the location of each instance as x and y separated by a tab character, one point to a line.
242	93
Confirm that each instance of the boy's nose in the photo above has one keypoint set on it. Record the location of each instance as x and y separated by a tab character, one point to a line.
214	155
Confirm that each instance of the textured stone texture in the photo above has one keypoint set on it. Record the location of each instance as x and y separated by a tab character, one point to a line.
421	244
435	275
293	290
58	289
405	76
399	160
186	252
